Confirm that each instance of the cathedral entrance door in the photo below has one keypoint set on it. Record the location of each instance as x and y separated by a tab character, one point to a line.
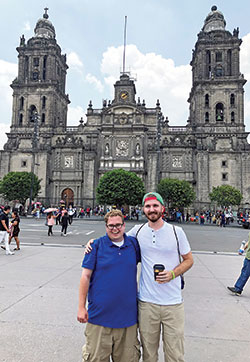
68	197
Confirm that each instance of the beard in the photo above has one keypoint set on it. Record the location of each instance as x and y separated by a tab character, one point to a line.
154	216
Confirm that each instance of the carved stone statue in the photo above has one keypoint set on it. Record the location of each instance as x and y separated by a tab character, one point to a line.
138	149
106	152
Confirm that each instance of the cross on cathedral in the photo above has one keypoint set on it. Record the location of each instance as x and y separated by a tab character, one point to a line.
45	15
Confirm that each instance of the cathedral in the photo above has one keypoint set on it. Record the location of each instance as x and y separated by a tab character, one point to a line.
211	150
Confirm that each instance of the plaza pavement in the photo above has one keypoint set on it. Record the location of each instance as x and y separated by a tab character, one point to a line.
39	297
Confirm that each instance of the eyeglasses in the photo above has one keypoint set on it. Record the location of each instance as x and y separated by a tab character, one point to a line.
111	226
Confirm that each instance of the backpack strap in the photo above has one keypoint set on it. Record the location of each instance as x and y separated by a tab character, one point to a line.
178	245
178	248
140	229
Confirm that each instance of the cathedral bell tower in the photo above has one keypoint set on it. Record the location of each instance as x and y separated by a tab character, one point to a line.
217	107
216	98
40	85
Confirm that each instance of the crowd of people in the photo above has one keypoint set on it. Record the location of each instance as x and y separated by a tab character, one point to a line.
219	217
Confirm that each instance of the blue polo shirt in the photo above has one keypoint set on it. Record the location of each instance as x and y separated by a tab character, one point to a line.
112	295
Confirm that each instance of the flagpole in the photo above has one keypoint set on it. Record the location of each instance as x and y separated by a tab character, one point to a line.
124	48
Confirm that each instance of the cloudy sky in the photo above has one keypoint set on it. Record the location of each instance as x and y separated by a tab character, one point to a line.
160	38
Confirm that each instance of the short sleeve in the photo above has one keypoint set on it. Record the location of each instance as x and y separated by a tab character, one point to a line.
89	260
183	241
137	249
132	232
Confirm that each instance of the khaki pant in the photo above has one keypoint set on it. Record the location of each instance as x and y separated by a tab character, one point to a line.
170	319
119	343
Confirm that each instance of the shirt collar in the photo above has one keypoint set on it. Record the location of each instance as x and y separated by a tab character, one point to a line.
111	244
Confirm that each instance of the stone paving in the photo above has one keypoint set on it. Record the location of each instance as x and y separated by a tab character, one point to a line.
39	297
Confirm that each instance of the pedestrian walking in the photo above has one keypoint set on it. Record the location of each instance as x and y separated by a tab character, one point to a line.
15	229
109	279
88	209
64	223
50	222
4	229
71	213
245	272
202	218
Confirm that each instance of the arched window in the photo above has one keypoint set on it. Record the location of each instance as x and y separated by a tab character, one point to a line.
206	117
206	100
44	66
232	117
208	57
43	118
20	119
208	63
21	103
219	112
44	102
32	113
232	99
229	62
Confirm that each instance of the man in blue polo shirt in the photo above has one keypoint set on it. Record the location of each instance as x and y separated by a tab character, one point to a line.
109	279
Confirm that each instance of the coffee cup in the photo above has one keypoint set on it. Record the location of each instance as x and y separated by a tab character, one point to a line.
157	269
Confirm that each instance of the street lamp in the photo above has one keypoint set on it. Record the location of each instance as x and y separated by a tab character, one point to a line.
35	139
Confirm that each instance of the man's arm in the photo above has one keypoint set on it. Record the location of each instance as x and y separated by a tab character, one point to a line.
185	265
82	315
167	275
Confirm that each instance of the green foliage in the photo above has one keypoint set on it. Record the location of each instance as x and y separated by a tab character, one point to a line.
176	193
16	186
120	187
226	196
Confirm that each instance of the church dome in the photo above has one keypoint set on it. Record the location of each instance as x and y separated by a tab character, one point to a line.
214	21
44	27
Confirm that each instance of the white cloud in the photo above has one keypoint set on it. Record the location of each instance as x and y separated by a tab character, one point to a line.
245	69
3	138
91	79
27	26
75	114
74	62
157	78
8	71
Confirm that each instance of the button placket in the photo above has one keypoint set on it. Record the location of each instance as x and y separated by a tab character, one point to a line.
153	238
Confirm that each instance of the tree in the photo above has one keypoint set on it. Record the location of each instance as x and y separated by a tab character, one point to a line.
177	193
120	187
226	195
16	186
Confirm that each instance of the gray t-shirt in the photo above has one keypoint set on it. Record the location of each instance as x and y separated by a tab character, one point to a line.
160	247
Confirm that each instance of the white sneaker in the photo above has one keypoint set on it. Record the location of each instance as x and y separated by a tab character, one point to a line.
10	253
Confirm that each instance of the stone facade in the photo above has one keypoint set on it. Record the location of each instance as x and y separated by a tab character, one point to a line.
211	150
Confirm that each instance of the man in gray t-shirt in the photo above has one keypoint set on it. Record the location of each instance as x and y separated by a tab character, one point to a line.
160	300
